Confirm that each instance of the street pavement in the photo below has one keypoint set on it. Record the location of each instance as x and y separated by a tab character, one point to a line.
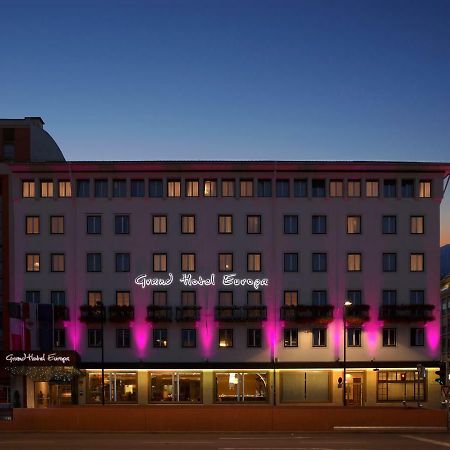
224	441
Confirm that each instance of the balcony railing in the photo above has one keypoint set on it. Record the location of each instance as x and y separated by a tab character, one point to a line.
228	313
157	313
92	314
357	314
317	315
187	313
407	313
121	313
60	312
254	313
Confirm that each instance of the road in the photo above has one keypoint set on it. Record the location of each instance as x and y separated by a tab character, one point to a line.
224	441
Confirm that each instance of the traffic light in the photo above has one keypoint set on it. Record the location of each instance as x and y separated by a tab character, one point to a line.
441	375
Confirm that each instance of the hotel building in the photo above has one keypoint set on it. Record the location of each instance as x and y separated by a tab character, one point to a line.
216	281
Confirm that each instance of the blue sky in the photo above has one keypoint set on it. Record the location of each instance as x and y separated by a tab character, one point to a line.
232	79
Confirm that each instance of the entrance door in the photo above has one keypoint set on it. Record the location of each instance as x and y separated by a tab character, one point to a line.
60	394
41	394
355	393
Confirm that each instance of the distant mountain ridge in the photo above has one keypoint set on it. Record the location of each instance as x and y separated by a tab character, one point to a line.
445	260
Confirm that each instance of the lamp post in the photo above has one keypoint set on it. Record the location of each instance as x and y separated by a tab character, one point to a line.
344	393
102	317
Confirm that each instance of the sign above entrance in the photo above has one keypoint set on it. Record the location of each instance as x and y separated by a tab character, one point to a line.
187	279
33	358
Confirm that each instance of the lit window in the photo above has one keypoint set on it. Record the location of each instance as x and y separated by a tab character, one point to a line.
227	188
64	189
253	262
290	337
424	189
57	225
160	298
46	188
225	224
28	189
159	224
372	188
188	224
57	262
33	262
354	262
246	188
225	338
210	188
159	262
354	188
32	225
354	337
253	224
192	189
123	298
188	262
225	262
94	298
290	298
417	225
160	338
174	188
353	224
336	188
416	262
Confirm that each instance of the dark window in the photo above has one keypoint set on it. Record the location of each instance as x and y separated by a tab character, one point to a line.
389	297
122	224
264	188
33	297
101	188
389	337
95	337
58	298
319	298
94	262
83	188
291	262
354	337
290	224
319	336
300	188
122	262
290	337
417	297
155	188
408	188
254	337
319	262
59	337
188	337
389	262
319	224
390	188
119	188
318	188
417	337
283	188
123	338
137	188
389	224
355	297
160	337
94	224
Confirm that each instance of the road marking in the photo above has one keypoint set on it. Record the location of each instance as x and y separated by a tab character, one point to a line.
176	442
429	441
275	448
276	438
24	442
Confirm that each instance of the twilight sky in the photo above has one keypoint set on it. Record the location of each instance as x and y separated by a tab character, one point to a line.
233	79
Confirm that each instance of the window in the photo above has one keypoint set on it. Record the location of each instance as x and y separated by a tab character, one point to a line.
354	262
253	224
122	262
155	188
123	298
389	297
353	337
101	188
227	188
46	188
353	224
225	262
290	224
417	337
188	262
225	338
301	188
159	262
83	188
319	224
159	224
372	187
319	337
225	224
175	387
336	188
390	188
56	224
33	263
225	298
290	298
188	224
192	188
188	338
57	262
120	387
283	188
59	337
28	189
319	298
408	188
389	224
264	188
416	262
246	188
424	189
95	337
355	297
318	188
94	224
58	298
417	224
64	188
160	337
242	387
290	337
123	338
188	298
253	262
308	386
417	297
137	188
122	224
254	337
33	297
94	298
174	188
354	188
119	188
160	298
392	387
32	225
94	262
389	337
389	262
210	188
319	262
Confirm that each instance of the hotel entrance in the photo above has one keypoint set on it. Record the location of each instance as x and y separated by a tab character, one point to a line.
48	394
355	388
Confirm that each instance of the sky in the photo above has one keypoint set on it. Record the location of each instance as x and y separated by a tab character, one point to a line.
319	79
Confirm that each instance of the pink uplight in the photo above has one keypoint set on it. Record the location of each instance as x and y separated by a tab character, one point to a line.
432	336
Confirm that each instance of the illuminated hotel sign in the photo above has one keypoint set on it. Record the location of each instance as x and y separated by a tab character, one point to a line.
187	279
67	358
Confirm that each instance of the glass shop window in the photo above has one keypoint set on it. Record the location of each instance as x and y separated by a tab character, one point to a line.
170	387
232	387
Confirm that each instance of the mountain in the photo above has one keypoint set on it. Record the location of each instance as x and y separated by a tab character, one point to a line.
445	260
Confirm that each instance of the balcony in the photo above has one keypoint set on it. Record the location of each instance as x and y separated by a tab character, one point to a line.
254	313
406	313
121	313
228	313
158	313
92	314
60	312
312	314
187	313
357	314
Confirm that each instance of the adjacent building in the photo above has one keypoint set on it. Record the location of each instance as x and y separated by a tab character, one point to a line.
217	281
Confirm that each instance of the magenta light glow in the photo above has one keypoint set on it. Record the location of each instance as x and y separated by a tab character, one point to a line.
432	337
206	326
141	331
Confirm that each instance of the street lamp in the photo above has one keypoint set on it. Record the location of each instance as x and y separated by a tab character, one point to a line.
102	315
346	305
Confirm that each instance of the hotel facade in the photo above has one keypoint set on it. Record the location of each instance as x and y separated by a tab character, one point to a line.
216	281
